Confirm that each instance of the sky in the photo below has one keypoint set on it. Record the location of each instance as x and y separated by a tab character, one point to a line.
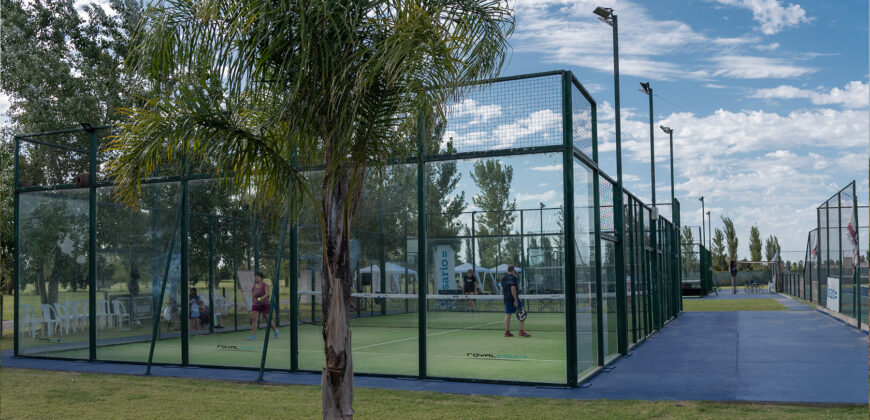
768	100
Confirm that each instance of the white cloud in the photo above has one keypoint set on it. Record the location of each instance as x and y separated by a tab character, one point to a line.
545	196
566	32
715	86
771	14
760	167
855	94
750	67
769	47
473	112
548	168
541	127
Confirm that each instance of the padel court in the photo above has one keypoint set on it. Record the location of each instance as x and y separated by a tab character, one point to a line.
432	239
462	342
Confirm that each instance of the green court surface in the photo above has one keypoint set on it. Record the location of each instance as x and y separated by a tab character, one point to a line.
459	344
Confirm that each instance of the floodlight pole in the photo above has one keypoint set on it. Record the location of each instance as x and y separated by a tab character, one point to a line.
607	16
703	241
657	319
709	231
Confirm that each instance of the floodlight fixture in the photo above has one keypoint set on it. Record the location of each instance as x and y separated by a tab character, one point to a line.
667	130
87	127
644	87
605	14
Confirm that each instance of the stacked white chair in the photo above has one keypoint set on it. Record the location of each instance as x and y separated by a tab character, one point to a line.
50	319
79	317
119	313
104	316
30	319
63	317
84	315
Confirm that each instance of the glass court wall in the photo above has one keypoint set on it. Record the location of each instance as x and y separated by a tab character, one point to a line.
834	258
510	177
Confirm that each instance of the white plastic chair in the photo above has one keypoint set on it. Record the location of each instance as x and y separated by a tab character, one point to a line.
104	316
30	319
63	317
82	311
50	319
74	310
119	313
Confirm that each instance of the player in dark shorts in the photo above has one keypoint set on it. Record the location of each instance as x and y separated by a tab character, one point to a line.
260	305
469	287
511	290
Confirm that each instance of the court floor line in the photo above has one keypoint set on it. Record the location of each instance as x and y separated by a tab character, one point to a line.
427	335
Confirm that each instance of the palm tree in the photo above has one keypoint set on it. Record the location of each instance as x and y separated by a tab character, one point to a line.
259	89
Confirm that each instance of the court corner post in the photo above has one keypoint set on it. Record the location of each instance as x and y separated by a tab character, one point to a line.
422	278
568	193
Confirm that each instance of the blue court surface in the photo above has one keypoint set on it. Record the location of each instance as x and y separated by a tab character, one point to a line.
786	356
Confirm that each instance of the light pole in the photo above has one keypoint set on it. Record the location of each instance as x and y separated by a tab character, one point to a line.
542	221
607	16
709	230
703	242
657	320
670	132
645	88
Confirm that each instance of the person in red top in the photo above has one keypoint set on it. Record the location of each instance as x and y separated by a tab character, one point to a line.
260	305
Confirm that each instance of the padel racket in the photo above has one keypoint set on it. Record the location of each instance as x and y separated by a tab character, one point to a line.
521	312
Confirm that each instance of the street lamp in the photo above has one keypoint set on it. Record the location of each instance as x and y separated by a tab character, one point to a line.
606	15
703	242
709	230
645	88
670	132
542	221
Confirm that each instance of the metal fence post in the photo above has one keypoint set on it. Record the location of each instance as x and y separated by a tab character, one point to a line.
16	263
185	269
568	195
422	277
92	247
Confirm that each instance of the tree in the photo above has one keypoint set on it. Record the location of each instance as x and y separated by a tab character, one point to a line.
58	69
690	256
7	246
731	239
771	247
719	261
262	88
497	214
754	243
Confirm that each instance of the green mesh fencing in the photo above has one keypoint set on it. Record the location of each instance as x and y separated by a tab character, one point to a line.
834	272
170	281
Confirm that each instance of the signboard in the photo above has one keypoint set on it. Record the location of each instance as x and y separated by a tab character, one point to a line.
833	294
444	263
246	284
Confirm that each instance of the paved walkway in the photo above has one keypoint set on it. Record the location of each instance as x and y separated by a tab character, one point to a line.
787	356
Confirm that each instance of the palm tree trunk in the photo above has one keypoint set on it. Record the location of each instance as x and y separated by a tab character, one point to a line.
337	380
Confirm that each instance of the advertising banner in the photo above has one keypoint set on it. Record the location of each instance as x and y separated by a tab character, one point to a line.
443	263
833	294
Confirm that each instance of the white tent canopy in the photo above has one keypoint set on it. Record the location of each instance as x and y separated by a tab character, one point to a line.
391	269
394	274
503	269
462	268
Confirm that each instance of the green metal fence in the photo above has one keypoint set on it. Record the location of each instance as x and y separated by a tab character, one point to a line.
834	272
511	177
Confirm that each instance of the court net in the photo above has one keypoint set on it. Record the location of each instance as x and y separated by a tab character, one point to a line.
546	312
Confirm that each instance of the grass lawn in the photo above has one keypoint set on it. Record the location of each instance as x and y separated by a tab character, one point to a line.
31	394
694	305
